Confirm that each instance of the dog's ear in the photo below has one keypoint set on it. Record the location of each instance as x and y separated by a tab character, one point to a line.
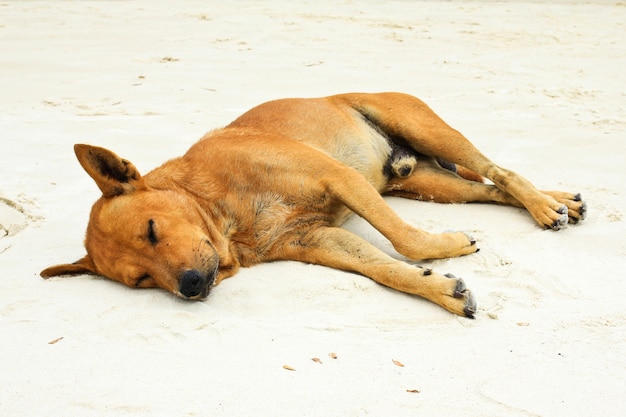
113	175
82	266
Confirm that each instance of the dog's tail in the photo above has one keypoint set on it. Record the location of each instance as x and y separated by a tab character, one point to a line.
468	174
461	171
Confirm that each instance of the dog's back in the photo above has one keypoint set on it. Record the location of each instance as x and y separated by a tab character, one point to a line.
330	126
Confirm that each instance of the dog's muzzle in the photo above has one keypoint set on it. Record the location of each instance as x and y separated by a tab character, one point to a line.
193	284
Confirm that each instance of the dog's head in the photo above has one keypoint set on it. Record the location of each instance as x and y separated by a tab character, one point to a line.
141	236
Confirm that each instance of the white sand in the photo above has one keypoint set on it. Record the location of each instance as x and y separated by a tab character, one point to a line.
538	87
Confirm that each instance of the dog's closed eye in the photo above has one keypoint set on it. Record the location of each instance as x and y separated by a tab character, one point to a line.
144	281
152	237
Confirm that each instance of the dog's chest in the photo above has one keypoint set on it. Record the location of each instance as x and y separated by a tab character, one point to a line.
271	219
259	226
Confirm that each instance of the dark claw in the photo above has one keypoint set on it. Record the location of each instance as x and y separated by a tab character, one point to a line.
562	210
460	289
471	239
470	306
578	197
427	271
449	275
583	211
556	225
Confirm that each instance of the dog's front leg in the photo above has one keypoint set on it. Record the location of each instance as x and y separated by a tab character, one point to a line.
360	197
338	248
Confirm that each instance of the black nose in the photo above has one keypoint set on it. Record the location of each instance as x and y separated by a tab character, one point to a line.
192	284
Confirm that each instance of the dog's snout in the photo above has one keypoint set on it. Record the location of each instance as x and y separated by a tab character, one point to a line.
193	283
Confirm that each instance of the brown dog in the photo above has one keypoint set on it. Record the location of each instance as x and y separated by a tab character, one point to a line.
278	182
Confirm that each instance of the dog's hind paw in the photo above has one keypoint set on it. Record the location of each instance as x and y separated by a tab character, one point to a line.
558	223
579	211
576	207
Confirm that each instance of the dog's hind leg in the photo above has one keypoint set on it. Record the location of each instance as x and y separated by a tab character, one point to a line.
409	120
429	181
340	249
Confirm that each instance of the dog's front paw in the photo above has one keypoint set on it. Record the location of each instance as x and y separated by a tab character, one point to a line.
460	243
418	244
460	300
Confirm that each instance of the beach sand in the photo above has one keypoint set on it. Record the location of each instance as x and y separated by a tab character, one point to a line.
538	87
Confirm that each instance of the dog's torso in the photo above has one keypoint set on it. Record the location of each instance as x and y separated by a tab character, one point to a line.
258	185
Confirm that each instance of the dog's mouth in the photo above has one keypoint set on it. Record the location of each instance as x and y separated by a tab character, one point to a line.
199	297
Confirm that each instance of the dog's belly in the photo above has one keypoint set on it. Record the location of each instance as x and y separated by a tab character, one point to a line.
363	148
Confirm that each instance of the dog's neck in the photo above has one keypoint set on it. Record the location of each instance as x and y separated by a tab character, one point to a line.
220	205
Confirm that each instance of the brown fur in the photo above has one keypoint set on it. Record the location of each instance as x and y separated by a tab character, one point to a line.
276	184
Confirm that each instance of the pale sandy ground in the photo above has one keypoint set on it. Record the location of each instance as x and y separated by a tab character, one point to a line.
540	87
